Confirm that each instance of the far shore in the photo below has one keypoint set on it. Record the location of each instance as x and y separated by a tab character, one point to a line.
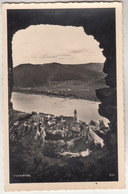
56	94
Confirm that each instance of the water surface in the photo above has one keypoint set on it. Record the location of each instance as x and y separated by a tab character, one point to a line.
86	110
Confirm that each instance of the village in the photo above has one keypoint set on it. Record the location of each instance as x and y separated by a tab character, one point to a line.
50	127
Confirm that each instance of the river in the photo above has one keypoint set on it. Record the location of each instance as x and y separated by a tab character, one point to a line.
86	110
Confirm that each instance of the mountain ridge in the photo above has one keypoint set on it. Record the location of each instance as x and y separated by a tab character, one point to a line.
26	75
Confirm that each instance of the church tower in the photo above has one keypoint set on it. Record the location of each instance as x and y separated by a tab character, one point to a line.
75	116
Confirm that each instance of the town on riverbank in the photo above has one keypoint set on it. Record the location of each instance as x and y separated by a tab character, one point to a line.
51	127
45	144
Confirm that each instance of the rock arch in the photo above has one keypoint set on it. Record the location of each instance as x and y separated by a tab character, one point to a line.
97	22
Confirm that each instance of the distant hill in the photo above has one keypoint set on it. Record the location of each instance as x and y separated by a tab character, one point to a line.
28	75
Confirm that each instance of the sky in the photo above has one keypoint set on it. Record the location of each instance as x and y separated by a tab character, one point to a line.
39	44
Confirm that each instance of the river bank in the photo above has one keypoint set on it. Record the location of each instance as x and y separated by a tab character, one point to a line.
85	95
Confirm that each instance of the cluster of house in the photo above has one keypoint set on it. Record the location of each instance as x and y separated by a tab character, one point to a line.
56	125
66	126
70	127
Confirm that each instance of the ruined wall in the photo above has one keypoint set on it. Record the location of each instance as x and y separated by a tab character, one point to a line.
97	22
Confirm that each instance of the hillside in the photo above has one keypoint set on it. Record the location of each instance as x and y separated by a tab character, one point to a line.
28	75
79	81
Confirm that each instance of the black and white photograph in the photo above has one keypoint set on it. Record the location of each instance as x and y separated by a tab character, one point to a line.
62	93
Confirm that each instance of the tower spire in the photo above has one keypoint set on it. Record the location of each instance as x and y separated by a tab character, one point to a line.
75	116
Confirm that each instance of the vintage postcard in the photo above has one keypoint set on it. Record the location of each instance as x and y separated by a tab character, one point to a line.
63	96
